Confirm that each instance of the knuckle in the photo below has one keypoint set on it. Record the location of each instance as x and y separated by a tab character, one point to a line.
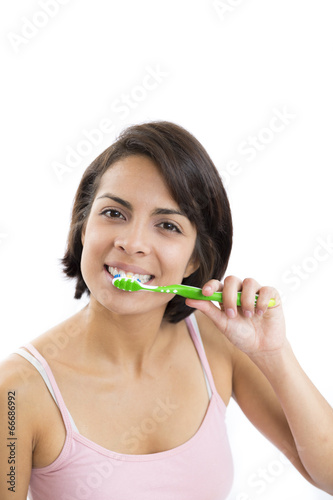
266	291
249	282
230	279
214	282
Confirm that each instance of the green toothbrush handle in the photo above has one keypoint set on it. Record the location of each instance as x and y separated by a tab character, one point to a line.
192	292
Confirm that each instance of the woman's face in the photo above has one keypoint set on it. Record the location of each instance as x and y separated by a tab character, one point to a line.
135	226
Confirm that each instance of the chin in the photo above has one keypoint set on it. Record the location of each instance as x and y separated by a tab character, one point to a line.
131	303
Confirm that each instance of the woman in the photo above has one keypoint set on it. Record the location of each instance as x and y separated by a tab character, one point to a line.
137	384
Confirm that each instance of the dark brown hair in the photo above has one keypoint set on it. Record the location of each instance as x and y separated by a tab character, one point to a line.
195	185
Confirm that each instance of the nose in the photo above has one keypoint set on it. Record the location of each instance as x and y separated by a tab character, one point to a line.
133	240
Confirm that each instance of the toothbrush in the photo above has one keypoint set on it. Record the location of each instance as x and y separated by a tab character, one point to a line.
132	285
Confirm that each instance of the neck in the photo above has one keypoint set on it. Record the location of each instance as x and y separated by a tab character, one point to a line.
127	341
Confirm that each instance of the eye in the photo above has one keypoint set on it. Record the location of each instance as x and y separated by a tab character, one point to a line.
112	213
169	226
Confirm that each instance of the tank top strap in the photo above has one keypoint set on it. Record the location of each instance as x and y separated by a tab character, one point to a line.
55	393
197	340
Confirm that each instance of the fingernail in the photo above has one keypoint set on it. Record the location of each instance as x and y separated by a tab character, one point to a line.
260	312
247	314
230	313
208	290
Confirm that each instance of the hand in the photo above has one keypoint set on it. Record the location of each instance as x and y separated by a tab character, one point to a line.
254	330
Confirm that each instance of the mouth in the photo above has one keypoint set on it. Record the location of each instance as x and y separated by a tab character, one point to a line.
113	271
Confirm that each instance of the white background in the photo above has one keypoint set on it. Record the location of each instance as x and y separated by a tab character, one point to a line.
223	75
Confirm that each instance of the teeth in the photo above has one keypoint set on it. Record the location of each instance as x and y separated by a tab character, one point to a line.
144	278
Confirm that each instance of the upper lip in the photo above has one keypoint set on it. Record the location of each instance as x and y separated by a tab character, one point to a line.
128	268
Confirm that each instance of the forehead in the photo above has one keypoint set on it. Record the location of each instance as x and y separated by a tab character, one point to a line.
136	175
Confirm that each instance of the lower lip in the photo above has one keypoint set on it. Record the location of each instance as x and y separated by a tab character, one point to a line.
110	277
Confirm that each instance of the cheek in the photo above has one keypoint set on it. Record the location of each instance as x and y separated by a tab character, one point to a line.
92	249
177	258
86	263
94	237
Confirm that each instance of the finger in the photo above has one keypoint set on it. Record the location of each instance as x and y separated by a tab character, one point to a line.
249	290
265	294
211	287
231	286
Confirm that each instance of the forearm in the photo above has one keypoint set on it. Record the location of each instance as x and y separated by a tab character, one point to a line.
309	416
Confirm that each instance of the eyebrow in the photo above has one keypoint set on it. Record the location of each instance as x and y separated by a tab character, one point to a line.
129	206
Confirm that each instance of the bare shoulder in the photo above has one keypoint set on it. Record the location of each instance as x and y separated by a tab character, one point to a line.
221	352
218	348
212	338
18	374
220	355
20	378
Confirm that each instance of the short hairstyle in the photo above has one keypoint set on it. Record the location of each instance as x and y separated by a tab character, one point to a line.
195	185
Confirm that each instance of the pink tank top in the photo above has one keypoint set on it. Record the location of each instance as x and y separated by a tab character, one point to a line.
199	469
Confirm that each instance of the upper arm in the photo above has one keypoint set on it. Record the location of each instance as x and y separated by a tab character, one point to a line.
258	401
16	429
